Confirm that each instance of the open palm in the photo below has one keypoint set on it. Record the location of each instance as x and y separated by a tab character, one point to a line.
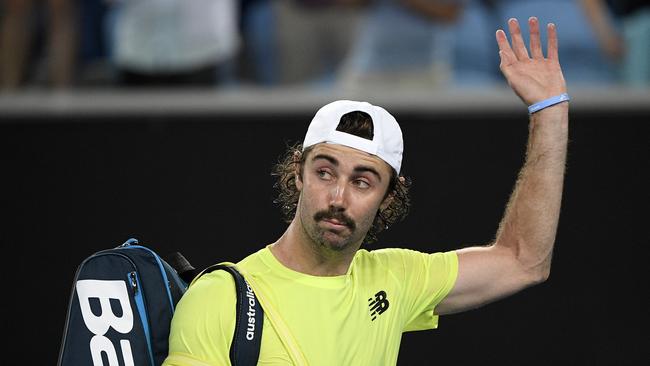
532	77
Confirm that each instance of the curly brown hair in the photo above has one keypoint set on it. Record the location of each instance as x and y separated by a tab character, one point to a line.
293	161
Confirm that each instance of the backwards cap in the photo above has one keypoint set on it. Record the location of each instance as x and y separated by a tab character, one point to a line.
387	141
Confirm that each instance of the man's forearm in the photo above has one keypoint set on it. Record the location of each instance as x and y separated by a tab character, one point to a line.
530	223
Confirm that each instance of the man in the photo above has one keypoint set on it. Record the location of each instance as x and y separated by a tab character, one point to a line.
347	306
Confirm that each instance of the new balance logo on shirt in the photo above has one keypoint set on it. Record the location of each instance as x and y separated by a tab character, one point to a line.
378	304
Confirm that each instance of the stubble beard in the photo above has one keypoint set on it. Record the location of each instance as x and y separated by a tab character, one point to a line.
331	240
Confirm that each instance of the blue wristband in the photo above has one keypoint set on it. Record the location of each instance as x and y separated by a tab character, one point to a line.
564	97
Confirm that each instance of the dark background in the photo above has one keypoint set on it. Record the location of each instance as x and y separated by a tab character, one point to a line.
201	184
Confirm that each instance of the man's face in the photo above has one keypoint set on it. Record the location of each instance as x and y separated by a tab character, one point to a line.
341	189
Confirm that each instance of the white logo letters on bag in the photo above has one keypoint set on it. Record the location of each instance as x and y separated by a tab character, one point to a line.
104	291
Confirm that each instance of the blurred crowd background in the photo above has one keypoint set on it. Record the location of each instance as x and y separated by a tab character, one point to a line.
428	44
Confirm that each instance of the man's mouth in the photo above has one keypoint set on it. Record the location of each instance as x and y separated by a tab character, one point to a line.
336	220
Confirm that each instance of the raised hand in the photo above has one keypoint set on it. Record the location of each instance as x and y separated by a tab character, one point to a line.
533	78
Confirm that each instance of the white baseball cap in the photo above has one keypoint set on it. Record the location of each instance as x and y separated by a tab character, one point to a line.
387	141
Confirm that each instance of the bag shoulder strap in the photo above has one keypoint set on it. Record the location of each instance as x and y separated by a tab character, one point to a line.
278	324
246	342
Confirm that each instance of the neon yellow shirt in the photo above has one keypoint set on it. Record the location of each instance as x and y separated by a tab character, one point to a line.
354	319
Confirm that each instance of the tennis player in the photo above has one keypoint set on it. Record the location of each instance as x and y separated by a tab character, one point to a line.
339	304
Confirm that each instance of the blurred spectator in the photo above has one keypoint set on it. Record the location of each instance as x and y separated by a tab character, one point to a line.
433	43
22	27
631	45
608	34
94	67
258	61
475	60
175	42
403	43
313	38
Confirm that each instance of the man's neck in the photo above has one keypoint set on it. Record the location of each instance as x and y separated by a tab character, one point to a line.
296	251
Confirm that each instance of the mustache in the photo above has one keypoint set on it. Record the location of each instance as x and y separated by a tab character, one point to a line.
339	216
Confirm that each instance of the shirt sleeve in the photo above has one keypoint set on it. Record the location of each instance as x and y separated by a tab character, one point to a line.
428	279
204	322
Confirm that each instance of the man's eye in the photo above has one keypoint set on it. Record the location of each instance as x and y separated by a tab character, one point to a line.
361	183
324	174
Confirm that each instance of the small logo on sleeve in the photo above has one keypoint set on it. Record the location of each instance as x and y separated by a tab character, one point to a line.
378	304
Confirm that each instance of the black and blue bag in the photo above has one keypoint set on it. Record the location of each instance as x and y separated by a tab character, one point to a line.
121	307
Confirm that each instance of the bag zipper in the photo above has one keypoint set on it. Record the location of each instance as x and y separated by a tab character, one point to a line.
133	244
134	281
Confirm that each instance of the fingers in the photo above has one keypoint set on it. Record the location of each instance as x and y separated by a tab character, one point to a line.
552	41
518	45
507	56
535	42
518	51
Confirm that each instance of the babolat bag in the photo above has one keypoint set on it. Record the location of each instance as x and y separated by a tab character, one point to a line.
121	307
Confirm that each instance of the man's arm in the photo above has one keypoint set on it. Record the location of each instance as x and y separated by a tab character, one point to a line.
521	253
611	41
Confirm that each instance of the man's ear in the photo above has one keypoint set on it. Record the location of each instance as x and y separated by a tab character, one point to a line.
297	169
386	202
298	182
390	196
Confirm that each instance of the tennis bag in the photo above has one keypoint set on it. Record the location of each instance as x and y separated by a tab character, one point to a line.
121	305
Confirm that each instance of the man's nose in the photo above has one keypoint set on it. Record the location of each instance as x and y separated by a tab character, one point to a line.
337	195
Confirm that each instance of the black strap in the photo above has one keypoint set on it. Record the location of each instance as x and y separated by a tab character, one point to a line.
246	342
184	269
